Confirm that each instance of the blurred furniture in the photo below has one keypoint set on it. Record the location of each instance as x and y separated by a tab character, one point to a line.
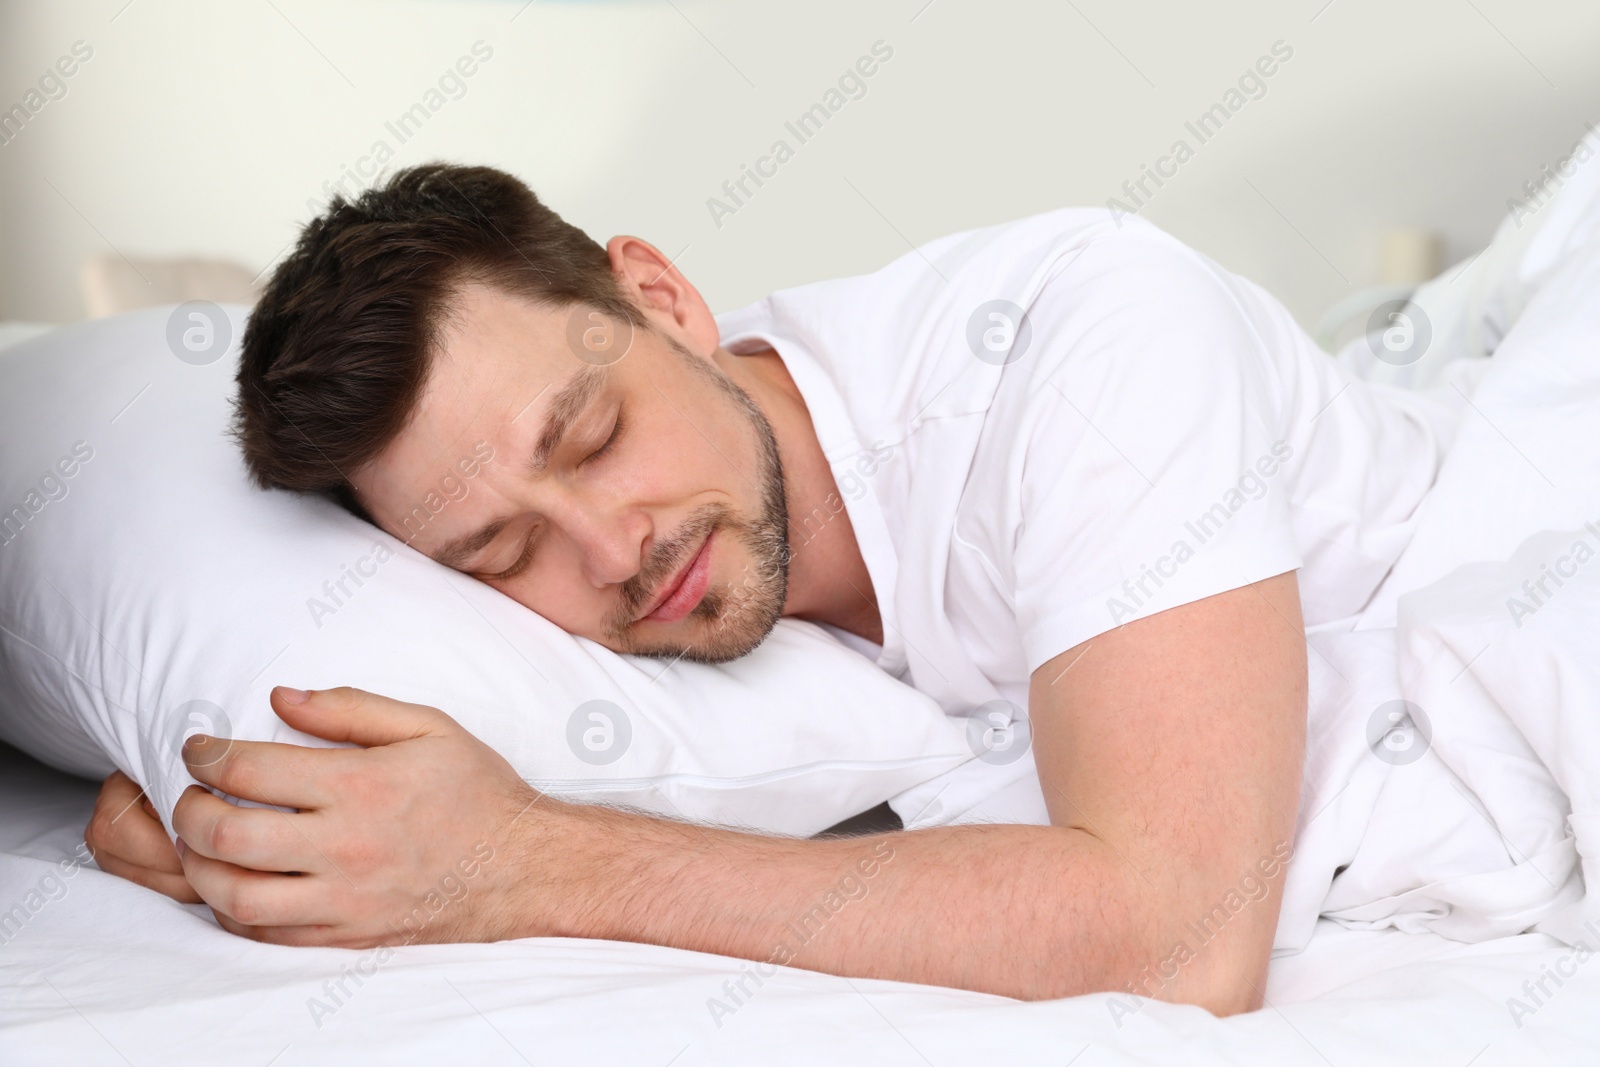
113	284
1409	258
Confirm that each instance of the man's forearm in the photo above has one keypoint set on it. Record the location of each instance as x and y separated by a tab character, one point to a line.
1021	911
1122	894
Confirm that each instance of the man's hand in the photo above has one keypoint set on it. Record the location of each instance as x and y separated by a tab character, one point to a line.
127	839
408	840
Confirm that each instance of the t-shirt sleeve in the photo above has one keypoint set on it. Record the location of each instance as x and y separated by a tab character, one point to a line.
1144	451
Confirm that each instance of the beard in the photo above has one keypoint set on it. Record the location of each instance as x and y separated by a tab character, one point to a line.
731	619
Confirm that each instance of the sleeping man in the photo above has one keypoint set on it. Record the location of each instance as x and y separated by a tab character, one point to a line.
1065	463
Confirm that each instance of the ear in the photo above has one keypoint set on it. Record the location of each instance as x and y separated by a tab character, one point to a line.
655	285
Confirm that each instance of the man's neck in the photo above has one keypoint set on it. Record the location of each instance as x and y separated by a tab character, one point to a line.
828	578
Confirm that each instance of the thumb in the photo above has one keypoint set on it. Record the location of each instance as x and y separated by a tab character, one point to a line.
347	714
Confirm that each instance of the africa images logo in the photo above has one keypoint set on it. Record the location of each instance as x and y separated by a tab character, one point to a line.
599	732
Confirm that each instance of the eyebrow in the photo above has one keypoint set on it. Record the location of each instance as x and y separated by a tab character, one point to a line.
569	403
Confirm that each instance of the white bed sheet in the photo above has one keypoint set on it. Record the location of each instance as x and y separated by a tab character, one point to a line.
109	973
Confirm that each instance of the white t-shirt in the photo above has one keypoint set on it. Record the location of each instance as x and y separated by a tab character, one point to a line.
1154	431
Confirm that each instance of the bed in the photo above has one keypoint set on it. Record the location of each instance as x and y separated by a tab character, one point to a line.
107	972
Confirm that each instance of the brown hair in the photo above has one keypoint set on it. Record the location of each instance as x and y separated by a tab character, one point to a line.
336	352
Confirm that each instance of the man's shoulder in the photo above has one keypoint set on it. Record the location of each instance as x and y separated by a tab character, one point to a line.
1010	259
932	334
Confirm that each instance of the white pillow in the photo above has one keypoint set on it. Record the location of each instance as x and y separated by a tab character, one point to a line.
148	591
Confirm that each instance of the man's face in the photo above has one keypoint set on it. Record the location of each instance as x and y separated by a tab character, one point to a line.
639	504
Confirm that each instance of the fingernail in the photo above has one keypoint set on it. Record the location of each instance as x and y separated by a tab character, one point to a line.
182	848
195	741
293	696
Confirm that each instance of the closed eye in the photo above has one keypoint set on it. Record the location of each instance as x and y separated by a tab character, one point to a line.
522	561
605	446
527	548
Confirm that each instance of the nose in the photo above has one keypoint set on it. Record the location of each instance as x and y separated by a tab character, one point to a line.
612	542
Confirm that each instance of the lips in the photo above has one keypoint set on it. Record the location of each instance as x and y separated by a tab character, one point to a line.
681	592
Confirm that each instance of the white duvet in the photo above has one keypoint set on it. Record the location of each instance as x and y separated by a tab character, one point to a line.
1495	615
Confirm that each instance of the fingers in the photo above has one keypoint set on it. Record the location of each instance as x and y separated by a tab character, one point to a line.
175	886
118	793
290	776
261	839
313	936
127	840
256	898
123	828
294	776
347	714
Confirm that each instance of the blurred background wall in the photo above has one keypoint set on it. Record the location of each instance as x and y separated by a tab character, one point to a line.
216	129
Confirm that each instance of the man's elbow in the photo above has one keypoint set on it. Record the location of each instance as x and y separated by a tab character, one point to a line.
1229	994
1220	990
1224	978
1221	967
